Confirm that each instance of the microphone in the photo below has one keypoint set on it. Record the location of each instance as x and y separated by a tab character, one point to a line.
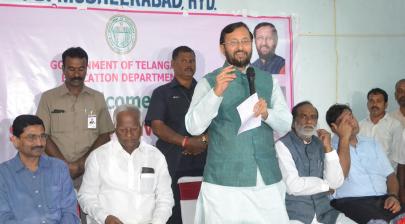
250	73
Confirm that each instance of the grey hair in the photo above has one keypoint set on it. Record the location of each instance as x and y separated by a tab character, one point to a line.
126	107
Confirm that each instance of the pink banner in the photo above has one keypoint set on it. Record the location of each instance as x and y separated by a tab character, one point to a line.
129	53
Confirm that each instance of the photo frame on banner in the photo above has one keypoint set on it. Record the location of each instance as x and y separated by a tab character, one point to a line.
272	51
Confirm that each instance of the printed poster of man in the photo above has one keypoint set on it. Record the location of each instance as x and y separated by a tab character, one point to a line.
273	48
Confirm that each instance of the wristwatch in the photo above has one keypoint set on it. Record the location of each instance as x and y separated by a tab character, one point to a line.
204	139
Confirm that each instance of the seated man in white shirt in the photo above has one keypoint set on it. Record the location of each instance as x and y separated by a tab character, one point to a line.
310	168
126	180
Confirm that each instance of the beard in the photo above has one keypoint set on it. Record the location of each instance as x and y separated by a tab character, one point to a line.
269	52
232	59
305	131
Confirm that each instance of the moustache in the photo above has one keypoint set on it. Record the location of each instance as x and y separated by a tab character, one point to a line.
375	108
309	127
37	148
237	52
188	69
306	131
77	79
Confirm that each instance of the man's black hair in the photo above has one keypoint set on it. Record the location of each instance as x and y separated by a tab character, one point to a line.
334	112
23	121
181	49
230	28
74	52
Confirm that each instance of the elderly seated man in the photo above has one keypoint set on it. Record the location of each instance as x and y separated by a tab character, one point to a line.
310	168
35	188
370	190
126	180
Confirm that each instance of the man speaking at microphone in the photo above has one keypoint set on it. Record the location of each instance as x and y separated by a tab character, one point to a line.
242	180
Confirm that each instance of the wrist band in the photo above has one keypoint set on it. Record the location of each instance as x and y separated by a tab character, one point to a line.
184	142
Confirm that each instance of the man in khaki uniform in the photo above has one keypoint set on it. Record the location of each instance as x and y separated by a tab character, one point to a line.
76	117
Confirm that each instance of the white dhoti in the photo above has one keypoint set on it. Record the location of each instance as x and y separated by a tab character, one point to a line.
261	204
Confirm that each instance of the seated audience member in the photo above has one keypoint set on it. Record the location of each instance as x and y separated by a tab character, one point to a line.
126	180
310	168
382	126
370	189
399	114
35	188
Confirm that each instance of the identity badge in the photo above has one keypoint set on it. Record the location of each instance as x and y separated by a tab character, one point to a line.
92	121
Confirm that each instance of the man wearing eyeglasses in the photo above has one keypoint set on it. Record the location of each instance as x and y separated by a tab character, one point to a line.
242	180
266	39
126	180
35	188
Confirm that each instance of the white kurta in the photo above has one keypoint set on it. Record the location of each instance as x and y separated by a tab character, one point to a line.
133	187
398	115
297	185
222	204
388	132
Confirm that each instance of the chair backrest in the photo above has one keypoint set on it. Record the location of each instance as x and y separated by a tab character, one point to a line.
189	190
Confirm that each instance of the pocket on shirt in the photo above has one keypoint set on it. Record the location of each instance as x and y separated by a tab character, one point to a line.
62	122
147	183
53	196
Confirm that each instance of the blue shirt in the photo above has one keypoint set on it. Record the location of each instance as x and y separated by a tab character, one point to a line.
43	196
369	168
